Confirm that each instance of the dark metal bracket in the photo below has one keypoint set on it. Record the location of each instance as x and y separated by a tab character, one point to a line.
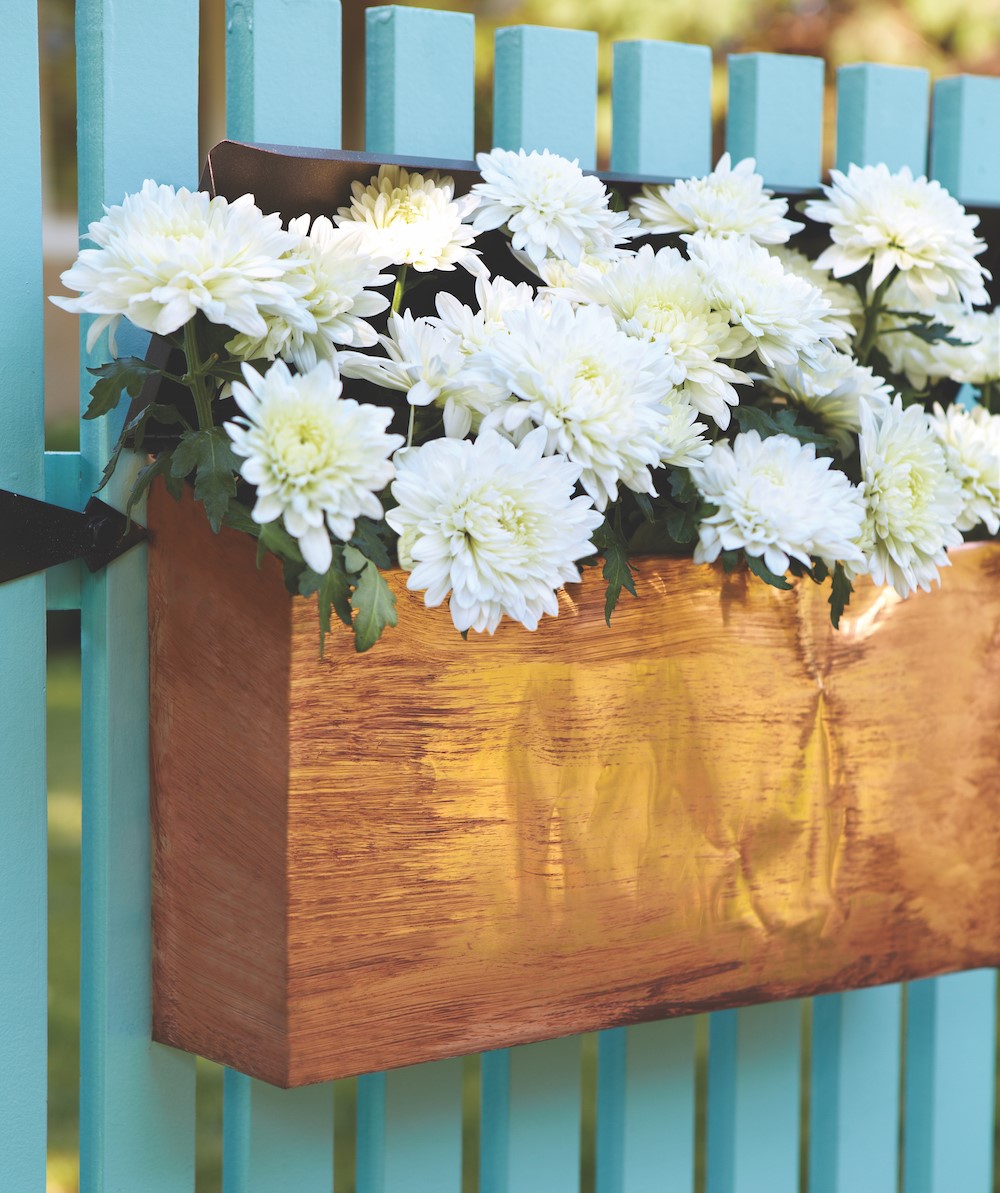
35	535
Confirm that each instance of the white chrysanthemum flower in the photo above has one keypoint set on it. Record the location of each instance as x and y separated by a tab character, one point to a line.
786	316
975	359
317	459
912	501
971	442
776	499
832	386
412	219
896	221
495	525
841	295
598	394
731	201
165	254
548	205
662	297
334	308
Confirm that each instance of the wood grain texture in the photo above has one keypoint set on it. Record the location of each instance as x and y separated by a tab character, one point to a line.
444	846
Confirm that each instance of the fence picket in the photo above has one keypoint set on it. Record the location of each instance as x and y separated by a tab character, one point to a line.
646	1107
776	116
854	1105
882	116
545	91
963	142
137	119
531	1118
951	1056
661	109
23	894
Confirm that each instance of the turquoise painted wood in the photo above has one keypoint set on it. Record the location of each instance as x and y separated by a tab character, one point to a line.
530	1127
283	72
883	114
276	1139
138	119
23	894
951	1050
545	91
776	116
754	1080
964	155
410	1130
420	82
854	1104
661	109
63	487
646	1107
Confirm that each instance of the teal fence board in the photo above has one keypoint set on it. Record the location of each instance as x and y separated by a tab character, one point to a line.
283	72
951	1057
776	116
63	487
420	82
530	1130
545	91
854	1104
661	109
23	894
964	156
882	116
138	119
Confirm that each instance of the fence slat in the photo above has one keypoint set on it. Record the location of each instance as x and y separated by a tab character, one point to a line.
776	116
283	72
62	487
419	82
410	1130
950	1074
854	1104
882	116
661	106
754	1080
531	1118
137	119
545	91
964	154
23	940
276	1139
646	1107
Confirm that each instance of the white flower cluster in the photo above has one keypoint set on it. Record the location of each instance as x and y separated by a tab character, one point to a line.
721	381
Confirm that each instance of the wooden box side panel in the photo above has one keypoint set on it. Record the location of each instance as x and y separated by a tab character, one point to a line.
718	802
219	678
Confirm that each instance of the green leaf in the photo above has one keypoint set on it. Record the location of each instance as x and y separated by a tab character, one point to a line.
368	539
759	568
729	559
841	590
238	517
127	373
354	560
276	539
645	506
617	569
333	590
209	455
784	422
682	525
682	486
146	476
375	607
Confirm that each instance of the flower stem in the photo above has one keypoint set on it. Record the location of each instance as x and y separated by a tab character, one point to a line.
413	421
400	290
195	379
870	329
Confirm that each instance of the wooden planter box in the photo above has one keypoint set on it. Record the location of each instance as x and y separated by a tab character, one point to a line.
446	846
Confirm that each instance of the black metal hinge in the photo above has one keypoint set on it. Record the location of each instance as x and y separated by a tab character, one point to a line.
35	535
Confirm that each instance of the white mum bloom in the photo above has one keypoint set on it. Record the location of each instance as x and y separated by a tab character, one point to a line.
776	499
165	254
548	205
731	201
971	442
976	360
599	395
317	459
832	386
334	307
412	219
661	296
494	524
841	295
912	501
785	316
896	221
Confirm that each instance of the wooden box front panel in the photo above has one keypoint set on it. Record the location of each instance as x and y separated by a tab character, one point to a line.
475	844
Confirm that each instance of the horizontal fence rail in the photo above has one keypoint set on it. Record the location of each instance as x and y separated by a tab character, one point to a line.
769	1099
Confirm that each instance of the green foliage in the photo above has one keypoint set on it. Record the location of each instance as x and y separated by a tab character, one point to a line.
209	455
840	594
780	422
617	569
333	590
374	607
760	569
127	373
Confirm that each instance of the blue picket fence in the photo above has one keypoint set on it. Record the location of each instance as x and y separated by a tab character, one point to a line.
137	78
